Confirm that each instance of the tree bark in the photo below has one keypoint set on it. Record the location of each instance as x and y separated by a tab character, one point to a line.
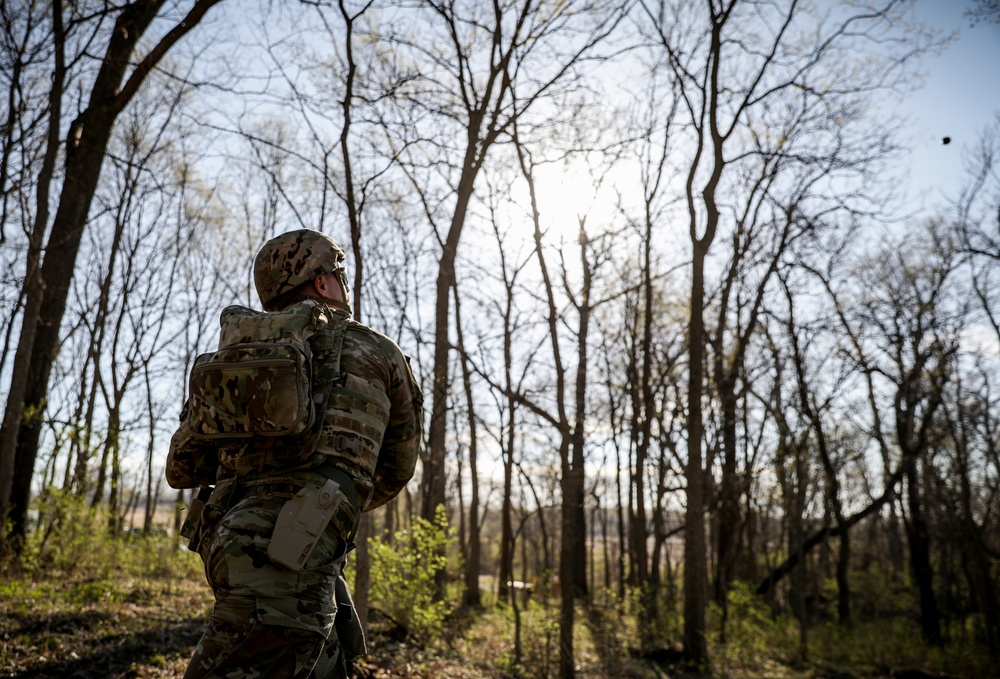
506	567
695	562
472	596
577	479
433	480
920	555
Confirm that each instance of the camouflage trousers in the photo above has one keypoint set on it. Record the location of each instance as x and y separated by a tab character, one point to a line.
268	621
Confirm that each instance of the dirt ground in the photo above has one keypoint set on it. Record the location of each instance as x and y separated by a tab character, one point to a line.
132	630
141	636
147	635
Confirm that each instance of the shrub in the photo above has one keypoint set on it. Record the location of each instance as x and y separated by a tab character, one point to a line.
753	633
73	541
405	576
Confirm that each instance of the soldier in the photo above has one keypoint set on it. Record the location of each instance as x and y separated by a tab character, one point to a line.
270	620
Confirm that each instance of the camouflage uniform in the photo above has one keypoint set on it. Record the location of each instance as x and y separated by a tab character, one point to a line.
269	621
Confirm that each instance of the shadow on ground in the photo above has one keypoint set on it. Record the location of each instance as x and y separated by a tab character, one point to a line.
59	652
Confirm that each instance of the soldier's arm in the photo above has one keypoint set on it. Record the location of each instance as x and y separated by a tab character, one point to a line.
397	459
190	463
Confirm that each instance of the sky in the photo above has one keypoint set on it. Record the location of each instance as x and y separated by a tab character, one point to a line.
960	100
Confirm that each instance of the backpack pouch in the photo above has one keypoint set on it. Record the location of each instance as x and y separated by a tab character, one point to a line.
252	389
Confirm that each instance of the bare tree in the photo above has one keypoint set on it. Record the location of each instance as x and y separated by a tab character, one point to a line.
28	42
819	378
594	254
912	307
971	412
472	548
44	307
471	69
747	76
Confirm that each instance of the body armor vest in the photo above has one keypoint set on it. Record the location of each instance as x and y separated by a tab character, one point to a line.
356	417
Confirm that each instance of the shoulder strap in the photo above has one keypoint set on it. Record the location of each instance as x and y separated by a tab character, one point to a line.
330	345
327	347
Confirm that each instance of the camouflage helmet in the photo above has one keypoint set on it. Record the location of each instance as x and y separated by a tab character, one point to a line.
287	261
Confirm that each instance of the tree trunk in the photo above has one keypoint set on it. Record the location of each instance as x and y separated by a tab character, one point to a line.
578	480
362	572
978	564
433	480
567	570
620	524
695	565
829	471
472	562
766	586
920	556
506	568
729	496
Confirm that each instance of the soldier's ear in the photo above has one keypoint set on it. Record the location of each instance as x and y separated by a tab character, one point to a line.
319	285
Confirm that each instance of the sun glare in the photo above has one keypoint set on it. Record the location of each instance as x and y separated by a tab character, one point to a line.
568	193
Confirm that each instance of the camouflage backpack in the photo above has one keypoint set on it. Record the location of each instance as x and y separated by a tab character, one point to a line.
262	396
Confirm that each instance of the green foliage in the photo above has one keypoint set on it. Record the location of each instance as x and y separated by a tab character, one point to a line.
759	641
753	632
539	640
656	621
896	643
404	577
881	592
72	542
613	631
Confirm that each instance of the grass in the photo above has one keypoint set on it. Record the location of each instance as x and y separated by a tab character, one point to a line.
89	605
131	624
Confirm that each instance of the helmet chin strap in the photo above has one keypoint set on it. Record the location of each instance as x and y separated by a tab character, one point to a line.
345	294
343	302
341	274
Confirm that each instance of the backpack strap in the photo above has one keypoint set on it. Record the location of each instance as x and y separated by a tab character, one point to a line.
327	345
333	344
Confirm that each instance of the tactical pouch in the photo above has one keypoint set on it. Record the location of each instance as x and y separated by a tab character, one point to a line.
252	389
350	633
261	398
302	521
220	502
206	511
191	528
